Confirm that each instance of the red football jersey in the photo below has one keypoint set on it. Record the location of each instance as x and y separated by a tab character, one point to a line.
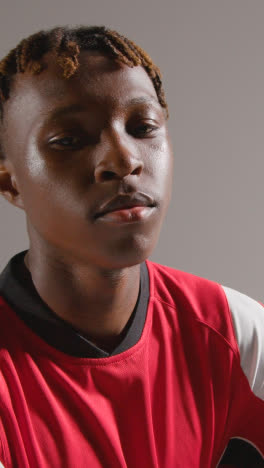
193	381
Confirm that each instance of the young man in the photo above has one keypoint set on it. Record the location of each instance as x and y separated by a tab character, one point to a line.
109	359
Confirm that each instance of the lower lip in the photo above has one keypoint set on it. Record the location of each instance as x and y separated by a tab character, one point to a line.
128	215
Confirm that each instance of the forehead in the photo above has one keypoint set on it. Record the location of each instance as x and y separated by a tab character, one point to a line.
98	81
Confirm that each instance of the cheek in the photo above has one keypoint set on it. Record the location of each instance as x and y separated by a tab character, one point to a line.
162	166
48	201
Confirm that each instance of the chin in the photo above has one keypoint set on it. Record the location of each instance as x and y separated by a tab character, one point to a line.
129	255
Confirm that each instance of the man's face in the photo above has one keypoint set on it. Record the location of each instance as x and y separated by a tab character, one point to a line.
75	144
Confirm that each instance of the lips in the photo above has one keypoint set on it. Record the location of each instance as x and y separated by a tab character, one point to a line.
121	202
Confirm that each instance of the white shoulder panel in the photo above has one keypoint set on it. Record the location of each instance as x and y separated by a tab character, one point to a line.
248	321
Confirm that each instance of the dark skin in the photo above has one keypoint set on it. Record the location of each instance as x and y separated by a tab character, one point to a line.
60	171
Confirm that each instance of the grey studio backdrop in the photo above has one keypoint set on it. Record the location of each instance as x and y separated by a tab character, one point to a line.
212	57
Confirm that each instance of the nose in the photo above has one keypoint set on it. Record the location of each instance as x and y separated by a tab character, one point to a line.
118	157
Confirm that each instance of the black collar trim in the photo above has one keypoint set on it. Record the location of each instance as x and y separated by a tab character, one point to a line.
17	288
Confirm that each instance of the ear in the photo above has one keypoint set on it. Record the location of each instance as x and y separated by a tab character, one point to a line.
8	184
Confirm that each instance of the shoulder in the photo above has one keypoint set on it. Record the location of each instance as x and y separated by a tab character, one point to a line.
195	299
164	278
234	316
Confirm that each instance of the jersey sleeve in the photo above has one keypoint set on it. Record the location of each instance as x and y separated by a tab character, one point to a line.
248	320
246	444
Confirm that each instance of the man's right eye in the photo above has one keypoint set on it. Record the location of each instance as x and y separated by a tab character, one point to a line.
66	142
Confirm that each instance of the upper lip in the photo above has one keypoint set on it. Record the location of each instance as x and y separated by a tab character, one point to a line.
120	202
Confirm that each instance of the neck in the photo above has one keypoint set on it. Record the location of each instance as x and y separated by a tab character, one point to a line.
97	302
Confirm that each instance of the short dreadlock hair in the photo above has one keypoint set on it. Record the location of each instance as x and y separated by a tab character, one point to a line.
67	43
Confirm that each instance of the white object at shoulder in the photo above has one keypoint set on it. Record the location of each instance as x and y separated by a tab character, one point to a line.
248	320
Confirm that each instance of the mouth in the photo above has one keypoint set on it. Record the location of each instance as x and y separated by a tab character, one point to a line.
126	209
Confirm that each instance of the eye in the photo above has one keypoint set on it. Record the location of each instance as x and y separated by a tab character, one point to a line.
66	142
144	130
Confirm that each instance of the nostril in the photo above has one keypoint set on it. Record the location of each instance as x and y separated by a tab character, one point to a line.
108	175
104	175
137	171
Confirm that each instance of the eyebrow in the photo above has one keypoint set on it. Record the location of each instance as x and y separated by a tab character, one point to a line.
75	108
142	100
